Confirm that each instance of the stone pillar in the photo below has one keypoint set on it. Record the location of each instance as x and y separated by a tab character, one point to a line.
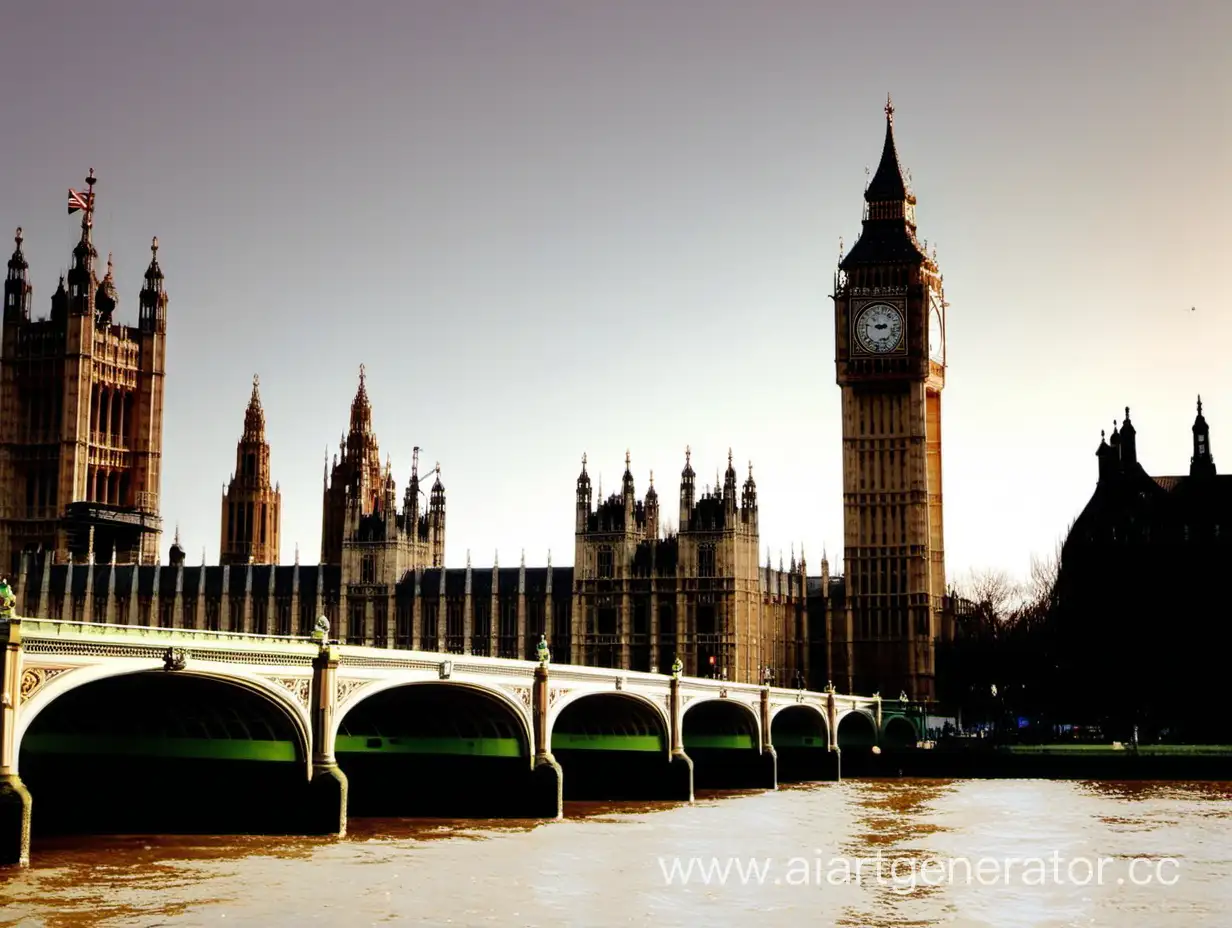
44	597
653	619
246	605
109	614
417	613
768	755
14	797
523	634
327	787
547	779
134	589
87	612
295	624
468	612
679	765
836	767
177	605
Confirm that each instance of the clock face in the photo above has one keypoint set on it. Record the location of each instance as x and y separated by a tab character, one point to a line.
879	328
936	332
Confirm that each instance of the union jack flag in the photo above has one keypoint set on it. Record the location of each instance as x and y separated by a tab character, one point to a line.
78	201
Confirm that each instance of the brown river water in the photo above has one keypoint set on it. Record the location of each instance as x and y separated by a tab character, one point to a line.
1001	853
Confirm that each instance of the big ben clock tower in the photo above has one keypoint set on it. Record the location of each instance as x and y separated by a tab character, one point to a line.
889	335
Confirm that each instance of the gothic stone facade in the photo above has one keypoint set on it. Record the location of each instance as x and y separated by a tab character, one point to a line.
81	410
636	599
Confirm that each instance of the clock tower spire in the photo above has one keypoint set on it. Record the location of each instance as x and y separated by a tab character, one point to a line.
889	314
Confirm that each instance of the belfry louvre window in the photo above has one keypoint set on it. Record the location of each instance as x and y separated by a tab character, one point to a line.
705	561
607	567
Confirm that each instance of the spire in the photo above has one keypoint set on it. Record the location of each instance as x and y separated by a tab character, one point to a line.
748	499
626	480
361	408
888	234
153	298
729	480
106	297
1129	443
82	274
887	183
1202	463
17	289
254	416
17	264
177	553
651	492
81	280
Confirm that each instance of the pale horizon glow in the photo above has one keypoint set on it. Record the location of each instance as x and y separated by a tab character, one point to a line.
556	228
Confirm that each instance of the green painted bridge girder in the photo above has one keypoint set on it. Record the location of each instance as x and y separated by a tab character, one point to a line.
799	741
570	741
742	742
199	748
413	744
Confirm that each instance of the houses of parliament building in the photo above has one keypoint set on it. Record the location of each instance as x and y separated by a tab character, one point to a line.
80	446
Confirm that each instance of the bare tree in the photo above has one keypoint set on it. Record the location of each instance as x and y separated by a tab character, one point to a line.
995	593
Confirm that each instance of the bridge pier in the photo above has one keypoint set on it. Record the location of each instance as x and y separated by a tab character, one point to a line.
679	766
769	757
14	797
327	788
547	785
832	726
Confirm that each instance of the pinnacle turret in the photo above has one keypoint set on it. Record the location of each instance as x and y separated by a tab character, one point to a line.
17	289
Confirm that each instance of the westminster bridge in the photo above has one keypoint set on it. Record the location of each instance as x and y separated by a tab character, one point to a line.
130	729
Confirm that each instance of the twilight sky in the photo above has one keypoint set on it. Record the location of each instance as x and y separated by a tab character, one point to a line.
549	228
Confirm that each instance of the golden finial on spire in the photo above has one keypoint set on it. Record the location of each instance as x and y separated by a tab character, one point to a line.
626	459
583	462
154	245
688	455
889	108
256	381
362	373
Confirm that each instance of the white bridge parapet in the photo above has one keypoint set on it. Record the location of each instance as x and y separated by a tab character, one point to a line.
56	656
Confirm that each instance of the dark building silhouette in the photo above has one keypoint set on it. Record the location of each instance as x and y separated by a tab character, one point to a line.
1142	611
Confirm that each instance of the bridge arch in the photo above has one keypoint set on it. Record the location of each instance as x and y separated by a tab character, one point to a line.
723	737
705	718
494	693
636	705
856	730
79	677
800	734
898	732
613	745
189	751
799	725
436	748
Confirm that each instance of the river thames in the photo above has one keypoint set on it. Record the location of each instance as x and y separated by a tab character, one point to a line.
859	853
